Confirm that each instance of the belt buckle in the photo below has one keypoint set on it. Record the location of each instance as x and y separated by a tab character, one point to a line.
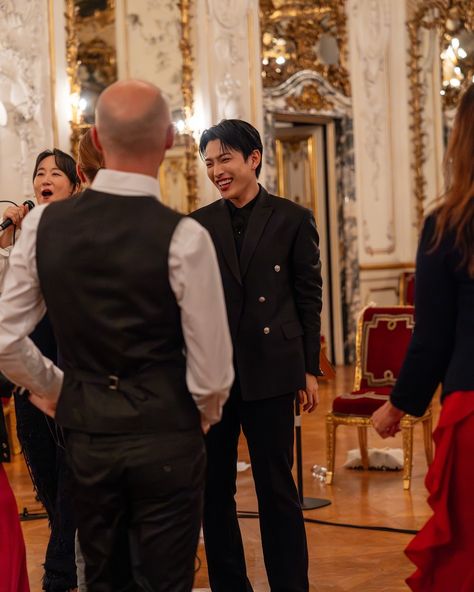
113	382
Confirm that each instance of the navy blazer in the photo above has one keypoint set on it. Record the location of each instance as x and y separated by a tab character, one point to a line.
272	293
442	346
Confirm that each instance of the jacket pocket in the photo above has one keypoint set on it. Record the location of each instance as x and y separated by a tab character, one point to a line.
292	329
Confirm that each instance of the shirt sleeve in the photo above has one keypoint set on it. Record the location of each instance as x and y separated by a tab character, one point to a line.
4	256
196	282
21	308
432	342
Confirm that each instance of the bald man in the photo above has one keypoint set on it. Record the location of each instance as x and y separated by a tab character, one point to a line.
133	286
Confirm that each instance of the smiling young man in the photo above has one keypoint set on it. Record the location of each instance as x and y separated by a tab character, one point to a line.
268	255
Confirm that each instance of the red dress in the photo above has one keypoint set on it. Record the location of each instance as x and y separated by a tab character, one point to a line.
443	550
13	574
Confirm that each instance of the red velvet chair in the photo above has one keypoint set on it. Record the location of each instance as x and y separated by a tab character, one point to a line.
383	335
406	288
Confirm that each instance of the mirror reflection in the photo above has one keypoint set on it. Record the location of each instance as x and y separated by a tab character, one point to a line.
92	57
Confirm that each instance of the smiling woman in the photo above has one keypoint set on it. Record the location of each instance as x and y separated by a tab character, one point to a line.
54	176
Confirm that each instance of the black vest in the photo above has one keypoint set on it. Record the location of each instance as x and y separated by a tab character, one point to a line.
103	269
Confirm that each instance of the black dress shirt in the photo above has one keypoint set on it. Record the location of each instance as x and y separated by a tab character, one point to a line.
240	218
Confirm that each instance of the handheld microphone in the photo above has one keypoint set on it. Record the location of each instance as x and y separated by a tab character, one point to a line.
8	221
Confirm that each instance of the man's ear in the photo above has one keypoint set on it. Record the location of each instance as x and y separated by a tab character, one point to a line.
255	158
169	137
95	140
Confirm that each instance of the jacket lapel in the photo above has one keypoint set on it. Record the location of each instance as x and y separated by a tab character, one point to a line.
225	235
256	225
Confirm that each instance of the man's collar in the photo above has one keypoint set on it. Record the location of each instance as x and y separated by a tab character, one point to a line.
249	205
125	183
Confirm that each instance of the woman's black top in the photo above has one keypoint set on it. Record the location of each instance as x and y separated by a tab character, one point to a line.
442	346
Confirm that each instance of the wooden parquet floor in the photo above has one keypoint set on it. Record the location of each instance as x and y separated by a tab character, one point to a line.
341	559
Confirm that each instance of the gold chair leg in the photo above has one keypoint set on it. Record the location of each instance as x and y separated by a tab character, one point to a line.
364	453
407	435
330	447
10	420
428	438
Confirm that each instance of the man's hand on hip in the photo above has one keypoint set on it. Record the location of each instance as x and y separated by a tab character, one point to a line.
47	406
309	397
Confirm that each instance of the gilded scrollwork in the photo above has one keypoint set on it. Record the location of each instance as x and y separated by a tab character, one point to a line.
292	35
309	98
446	18
187	87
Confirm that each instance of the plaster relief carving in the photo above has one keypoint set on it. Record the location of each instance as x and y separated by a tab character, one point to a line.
23	53
229	93
154	33
229	19
229	13
370	19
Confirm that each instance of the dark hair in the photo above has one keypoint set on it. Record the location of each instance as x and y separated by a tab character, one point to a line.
64	162
235	134
457	210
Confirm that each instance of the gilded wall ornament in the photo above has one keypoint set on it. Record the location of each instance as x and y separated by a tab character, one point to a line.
304	35
187	86
90	59
310	98
447	18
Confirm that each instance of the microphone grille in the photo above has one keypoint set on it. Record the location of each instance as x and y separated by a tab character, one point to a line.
29	204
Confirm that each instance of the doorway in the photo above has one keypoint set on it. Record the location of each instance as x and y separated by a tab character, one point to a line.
305	162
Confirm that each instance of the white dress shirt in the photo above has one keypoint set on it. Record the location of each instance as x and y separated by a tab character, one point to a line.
194	278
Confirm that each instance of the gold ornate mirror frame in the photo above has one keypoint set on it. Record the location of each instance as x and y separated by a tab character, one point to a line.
429	15
95	53
73	62
292	31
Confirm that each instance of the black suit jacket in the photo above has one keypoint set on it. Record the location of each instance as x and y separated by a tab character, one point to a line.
273	293
442	346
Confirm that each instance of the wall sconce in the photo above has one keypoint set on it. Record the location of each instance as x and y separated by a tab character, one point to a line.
186	125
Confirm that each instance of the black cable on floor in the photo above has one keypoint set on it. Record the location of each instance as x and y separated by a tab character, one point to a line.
245	514
26	515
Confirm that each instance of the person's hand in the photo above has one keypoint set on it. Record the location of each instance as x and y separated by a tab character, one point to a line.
309	397
47	406
386	420
16	215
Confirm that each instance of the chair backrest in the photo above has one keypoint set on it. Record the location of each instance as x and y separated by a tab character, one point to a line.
383	335
406	288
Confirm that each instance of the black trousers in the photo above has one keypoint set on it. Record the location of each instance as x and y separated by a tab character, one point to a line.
138	505
268	426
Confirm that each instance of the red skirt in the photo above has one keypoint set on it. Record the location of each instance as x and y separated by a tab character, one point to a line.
13	574
443	551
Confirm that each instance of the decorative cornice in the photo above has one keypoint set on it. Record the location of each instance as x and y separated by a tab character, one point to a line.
294	88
